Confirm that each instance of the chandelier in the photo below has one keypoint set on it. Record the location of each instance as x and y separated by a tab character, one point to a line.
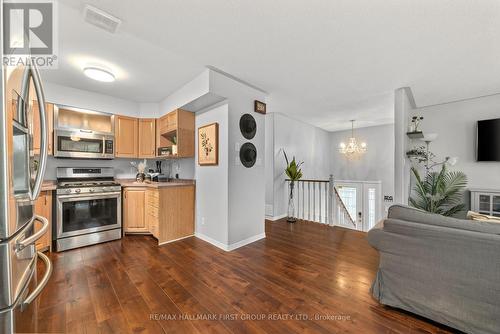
352	148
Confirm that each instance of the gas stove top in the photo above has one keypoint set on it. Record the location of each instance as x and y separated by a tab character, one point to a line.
86	181
80	184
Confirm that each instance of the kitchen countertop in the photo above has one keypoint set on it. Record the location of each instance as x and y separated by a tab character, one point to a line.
49	185
150	184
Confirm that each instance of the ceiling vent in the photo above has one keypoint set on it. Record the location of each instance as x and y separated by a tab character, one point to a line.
101	19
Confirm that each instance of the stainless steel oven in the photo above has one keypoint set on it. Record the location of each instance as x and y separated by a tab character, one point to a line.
88	207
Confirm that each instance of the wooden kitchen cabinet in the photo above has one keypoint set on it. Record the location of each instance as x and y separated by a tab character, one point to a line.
166	212
126	137
134	209
49	109
43	207
147	138
176	212
181	125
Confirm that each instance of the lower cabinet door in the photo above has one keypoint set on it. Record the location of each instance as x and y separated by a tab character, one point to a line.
43	207
134	205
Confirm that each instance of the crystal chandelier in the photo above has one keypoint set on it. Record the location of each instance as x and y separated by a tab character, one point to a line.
352	148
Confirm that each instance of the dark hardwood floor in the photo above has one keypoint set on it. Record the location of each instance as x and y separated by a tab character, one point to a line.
303	278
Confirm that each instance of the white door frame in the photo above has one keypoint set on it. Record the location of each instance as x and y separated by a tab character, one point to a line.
362	216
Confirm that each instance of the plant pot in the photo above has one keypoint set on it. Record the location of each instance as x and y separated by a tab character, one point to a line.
140	177
291	205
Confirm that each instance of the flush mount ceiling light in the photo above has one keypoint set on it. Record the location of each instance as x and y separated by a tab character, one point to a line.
352	148
99	74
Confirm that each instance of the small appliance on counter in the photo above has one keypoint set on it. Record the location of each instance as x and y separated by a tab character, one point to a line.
158	176
88	209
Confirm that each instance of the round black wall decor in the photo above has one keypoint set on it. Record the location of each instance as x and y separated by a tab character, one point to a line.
248	155
248	126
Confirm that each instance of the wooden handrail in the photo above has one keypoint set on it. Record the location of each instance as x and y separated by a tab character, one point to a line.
351	220
308	180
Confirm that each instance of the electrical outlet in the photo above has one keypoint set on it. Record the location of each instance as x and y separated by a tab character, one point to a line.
258	162
237	161
237	147
202	220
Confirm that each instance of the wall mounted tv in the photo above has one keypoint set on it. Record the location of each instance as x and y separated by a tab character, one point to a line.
488	140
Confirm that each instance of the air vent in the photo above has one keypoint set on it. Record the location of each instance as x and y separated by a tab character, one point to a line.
101	19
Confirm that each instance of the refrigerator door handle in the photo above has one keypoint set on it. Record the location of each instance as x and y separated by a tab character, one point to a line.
43	282
28	241
37	187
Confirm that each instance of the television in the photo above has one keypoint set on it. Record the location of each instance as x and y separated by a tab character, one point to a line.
488	140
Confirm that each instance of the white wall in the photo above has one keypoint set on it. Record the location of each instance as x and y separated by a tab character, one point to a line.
212	181
269	164
455	123
377	164
246	185
89	100
188	93
307	143
403	106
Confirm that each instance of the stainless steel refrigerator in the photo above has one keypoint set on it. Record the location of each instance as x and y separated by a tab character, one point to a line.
21	177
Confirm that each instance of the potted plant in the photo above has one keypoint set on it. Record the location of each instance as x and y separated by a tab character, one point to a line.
294	173
439	192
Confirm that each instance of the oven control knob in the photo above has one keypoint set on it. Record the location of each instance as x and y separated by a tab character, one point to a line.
78	191
91	190
68	191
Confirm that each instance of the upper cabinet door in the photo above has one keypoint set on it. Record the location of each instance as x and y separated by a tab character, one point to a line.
147	138
126	137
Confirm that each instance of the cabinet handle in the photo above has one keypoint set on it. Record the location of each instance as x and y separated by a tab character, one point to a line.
45	198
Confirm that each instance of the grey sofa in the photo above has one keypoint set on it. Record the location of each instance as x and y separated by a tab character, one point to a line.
441	268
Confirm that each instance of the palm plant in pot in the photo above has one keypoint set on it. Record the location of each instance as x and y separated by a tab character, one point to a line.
294	174
439	192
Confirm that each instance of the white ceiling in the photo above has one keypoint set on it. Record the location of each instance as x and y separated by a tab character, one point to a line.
323	61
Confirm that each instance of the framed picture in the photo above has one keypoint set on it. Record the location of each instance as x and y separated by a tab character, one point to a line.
259	107
208	145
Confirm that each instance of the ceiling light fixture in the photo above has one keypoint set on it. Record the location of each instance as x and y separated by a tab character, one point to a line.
99	74
352	148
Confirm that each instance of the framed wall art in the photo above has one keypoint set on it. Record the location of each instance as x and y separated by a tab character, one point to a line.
208	145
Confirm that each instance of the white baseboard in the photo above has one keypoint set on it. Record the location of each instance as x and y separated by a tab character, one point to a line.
246	241
271	218
230	247
211	241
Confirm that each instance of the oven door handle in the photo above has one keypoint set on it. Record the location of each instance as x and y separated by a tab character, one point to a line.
28	241
91	195
43	282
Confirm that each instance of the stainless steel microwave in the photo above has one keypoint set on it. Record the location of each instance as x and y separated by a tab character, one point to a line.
83	134
83	144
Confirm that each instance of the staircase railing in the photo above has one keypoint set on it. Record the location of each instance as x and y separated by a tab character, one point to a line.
320	201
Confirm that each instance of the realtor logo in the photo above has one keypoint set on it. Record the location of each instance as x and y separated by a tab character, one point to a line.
29	31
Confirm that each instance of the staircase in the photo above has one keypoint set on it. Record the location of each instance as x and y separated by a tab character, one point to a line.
319	201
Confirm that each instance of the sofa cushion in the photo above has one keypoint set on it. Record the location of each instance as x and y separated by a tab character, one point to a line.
403	212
